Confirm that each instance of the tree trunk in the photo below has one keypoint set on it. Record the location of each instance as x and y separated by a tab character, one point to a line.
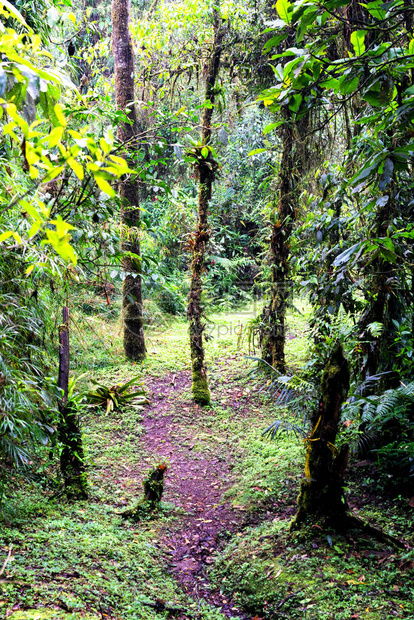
72	462
274	315
321	493
134	343
205	169
378	350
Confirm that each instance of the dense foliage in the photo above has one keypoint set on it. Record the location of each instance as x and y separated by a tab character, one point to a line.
309	154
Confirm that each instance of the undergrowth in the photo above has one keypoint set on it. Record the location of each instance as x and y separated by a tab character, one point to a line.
83	560
275	574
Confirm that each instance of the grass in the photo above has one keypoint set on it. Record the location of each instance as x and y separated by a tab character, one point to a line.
82	560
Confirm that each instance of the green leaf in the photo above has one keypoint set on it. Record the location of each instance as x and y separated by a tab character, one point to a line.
348	85
55	136
375	9
53	173
387	173
29	208
59	115
374	98
358	41
204	152
270	128
61	245
333	84
294	102
104	186
367	170
381	92
257	151
13	11
76	167
273	42
8	234
282	7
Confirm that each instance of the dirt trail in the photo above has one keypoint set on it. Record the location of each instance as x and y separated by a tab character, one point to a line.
196	483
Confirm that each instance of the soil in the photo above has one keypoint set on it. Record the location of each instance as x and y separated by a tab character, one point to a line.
196	483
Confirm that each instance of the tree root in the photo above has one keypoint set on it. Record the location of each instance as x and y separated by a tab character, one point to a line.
353	522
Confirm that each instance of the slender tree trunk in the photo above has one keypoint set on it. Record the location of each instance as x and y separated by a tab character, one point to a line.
134	343
321	493
205	168
378	350
72	462
274	315
64	357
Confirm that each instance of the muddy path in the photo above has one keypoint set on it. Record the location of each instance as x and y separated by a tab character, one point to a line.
196	482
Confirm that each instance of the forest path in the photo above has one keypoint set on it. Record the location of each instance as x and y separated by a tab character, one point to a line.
196	480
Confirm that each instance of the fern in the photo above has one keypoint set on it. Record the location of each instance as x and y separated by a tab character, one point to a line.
288	391
382	420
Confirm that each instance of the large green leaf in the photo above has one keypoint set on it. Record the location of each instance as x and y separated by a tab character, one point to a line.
358	41
283	7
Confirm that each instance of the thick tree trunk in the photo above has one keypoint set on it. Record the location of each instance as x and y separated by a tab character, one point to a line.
274	315
72	463
205	168
321	494
134	343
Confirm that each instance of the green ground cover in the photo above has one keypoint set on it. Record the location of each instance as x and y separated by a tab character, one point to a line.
72	561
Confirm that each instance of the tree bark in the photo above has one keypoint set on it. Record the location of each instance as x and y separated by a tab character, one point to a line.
321	493
72	464
134	343
274	315
205	169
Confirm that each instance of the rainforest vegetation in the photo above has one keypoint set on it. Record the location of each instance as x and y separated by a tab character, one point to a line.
206	309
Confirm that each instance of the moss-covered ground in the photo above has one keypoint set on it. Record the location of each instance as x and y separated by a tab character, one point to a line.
82	560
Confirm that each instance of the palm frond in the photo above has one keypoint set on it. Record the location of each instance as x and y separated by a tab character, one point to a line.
282	426
286	389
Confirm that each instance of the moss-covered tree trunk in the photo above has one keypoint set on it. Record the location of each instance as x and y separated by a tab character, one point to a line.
205	167
274	314
72	464
321	495
134	343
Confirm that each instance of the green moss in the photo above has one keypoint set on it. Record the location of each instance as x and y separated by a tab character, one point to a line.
200	389
139	511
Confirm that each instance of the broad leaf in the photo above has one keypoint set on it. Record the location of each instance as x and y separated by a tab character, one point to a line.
283	8
358	41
